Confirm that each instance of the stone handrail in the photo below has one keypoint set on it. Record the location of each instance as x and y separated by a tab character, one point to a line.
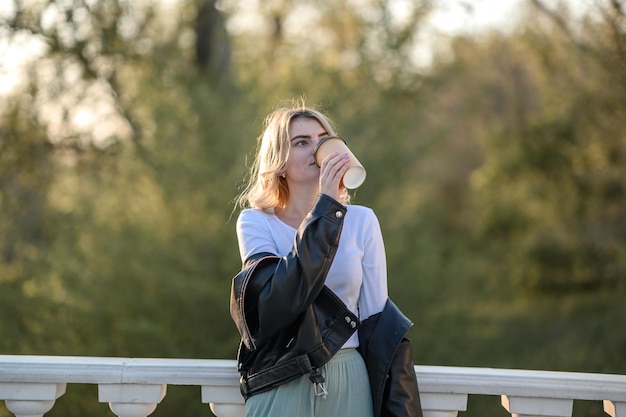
134	387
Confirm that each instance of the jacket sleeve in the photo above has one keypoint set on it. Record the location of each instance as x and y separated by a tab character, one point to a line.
401	397
277	290
389	360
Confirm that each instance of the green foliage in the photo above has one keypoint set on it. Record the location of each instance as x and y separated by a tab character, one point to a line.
498	178
552	181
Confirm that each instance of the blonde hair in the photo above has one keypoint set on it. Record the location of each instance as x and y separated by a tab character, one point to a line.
266	189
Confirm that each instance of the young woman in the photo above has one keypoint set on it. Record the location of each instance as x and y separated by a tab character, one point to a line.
313	270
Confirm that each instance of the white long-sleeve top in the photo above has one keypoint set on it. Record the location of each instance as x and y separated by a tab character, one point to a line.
358	274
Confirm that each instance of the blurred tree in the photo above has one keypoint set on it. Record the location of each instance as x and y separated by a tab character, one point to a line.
552	185
212	43
118	166
25	169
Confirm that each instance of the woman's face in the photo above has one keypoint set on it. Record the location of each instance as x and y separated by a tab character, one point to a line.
304	134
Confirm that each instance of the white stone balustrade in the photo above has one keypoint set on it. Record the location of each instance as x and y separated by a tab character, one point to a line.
30	386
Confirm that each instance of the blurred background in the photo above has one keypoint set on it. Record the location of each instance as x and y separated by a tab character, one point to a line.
494	135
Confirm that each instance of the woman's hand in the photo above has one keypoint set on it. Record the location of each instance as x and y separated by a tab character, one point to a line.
334	166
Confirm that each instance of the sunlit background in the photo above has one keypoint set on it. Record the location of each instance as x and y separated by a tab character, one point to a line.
493	134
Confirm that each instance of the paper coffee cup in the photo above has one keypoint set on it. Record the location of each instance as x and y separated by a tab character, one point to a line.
355	175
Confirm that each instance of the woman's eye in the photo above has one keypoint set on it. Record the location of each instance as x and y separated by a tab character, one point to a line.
301	142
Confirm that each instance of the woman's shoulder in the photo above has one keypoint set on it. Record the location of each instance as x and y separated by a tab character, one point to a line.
253	216
360	210
254	213
361	213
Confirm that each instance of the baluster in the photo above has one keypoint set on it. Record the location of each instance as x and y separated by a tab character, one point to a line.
615	408
228	410
536	407
28	399
132	400
442	404
224	401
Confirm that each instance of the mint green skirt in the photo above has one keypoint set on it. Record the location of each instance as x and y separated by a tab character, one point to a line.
347	385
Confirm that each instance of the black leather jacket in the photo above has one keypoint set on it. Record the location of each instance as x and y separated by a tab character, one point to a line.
290	323
389	358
